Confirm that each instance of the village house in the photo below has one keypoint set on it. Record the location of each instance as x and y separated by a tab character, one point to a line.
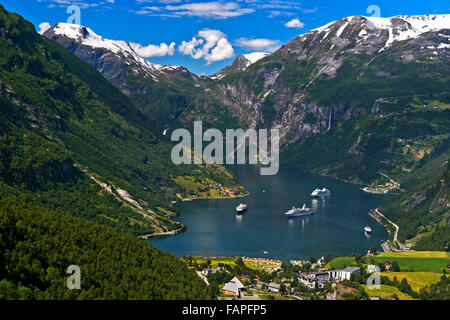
261	285
274	287
233	288
313	279
208	271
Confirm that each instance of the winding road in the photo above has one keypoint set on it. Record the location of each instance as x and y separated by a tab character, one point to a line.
395	226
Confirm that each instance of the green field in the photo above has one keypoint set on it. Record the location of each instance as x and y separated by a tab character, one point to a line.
418	254
417	261
216	260
386	292
426	261
416	280
231	261
341	262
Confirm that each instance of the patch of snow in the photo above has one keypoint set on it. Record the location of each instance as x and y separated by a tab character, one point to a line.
324	27
341	29
412	26
255	56
362	33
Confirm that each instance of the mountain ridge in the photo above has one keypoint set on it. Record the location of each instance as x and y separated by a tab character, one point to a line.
285	89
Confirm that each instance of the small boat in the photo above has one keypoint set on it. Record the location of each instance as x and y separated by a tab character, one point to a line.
299	212
241	208
368	229
320	193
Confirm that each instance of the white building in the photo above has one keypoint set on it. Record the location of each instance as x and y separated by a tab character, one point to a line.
274	287
310	279
233	287
344	274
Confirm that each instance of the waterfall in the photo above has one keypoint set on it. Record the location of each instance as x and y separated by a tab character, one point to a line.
329	118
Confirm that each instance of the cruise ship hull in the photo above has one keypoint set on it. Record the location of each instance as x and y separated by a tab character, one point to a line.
300	214
295	215
320	195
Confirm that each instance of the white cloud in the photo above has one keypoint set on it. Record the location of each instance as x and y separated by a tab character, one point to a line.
294	23
211	9
80	3
44	26
258	44
211	45
154	50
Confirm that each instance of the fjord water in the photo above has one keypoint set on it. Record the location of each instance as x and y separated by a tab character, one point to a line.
214	229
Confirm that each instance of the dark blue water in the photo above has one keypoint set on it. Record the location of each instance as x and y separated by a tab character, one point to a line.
213	228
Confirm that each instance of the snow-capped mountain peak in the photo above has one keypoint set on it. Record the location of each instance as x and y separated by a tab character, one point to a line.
89	38
399	28
84	36
241	63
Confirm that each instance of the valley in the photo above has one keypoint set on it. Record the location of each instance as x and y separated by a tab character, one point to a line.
350	101
86	177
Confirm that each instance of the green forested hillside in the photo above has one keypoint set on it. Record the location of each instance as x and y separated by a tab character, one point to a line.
38	244
62	125
393	124
77	158
423	213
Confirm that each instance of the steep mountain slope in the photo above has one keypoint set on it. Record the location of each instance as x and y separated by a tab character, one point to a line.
163	92
280	89
241	63
73	142
423	213
108	56
343	93
39	244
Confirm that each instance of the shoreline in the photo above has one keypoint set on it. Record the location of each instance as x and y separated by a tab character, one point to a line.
368	190
214	198
377	215
184	228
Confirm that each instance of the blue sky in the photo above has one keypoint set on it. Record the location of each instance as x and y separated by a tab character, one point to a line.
205	36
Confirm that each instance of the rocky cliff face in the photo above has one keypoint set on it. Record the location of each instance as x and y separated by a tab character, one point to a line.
276	91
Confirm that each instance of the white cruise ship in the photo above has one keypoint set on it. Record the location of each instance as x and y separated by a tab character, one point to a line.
297	212
241	208
320	193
